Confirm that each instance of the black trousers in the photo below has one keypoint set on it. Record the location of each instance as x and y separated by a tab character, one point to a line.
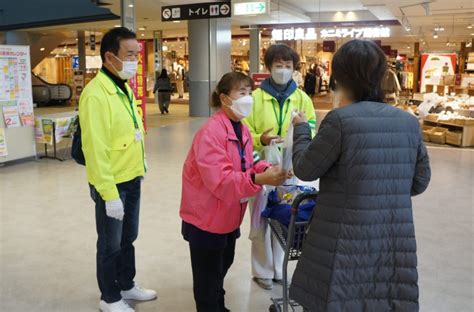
209	270
115	250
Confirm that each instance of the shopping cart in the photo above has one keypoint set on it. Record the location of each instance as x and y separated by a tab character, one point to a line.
291	238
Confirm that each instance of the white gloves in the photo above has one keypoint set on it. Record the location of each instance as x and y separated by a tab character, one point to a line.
114	209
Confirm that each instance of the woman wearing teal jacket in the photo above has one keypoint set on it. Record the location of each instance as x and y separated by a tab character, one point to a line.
274	102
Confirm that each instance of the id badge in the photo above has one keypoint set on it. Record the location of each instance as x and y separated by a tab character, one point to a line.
138	135
244	200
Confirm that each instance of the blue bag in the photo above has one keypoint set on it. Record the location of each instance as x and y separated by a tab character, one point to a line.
280	201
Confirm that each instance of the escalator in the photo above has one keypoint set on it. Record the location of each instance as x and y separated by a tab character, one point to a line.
48	94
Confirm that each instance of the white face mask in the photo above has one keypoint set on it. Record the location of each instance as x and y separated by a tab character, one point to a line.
282	75
129	69
242	107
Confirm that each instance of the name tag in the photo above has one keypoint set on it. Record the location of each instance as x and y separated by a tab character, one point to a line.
138	135
244	200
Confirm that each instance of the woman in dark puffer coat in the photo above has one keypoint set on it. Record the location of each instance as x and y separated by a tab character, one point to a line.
360	252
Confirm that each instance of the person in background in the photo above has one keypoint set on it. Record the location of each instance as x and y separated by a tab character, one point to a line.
220	173
360	250
269	120
113	146
298	78
163	87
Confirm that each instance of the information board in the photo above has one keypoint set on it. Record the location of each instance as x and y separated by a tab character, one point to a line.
16	104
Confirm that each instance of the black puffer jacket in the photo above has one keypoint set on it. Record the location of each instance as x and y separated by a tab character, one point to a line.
360	253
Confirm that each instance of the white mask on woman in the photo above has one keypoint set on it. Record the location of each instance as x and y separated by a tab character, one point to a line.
242	107
129	69
282	75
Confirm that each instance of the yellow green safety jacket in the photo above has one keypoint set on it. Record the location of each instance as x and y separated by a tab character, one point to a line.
112	136
266	114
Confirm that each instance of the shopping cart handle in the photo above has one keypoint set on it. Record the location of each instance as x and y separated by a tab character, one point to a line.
300	198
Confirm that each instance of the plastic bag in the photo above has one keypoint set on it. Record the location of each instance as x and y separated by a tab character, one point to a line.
287	151
272	153
257	223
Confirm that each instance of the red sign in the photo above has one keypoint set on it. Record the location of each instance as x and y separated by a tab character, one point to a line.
259	78
138	83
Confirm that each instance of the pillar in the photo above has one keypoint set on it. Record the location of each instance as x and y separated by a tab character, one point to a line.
209	60
416	68
255	41
81	50
462	58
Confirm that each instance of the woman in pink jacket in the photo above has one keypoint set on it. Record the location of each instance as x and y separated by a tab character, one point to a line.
220	174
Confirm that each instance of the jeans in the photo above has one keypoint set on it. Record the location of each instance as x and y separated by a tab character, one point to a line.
209	270
115	251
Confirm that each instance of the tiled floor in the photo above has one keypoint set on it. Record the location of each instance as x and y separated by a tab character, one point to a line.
47	235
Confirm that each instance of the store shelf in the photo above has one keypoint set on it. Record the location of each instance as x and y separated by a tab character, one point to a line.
467	131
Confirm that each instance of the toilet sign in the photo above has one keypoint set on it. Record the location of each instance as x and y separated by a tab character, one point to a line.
195	11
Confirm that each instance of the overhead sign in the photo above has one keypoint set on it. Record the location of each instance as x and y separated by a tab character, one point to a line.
128	14
92	42
311	34
195	11
250	8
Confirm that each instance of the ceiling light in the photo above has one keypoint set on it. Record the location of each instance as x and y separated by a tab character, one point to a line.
469	26
407	28
143	35
42	49
439	28
176	21
117	26
141	28
130	5
435	35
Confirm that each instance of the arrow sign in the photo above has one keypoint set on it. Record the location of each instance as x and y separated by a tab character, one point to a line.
250	8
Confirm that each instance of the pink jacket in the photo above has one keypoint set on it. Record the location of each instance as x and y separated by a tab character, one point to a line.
215	190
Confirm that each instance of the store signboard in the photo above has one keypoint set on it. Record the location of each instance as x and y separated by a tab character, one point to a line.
138	83
435	66
311	34
250	8
195	11
258	78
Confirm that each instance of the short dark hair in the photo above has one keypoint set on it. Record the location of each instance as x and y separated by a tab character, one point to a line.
359	67
111	40
281	51
229	82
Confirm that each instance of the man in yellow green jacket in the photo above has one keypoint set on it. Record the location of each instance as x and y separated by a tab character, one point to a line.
274	102
114	151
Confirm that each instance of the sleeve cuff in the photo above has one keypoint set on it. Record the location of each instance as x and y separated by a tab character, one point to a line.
109	195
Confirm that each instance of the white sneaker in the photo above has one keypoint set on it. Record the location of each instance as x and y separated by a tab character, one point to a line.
265	283
139	293
119	306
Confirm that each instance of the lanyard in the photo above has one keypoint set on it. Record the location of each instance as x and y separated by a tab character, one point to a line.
131	112
241	149
281	119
